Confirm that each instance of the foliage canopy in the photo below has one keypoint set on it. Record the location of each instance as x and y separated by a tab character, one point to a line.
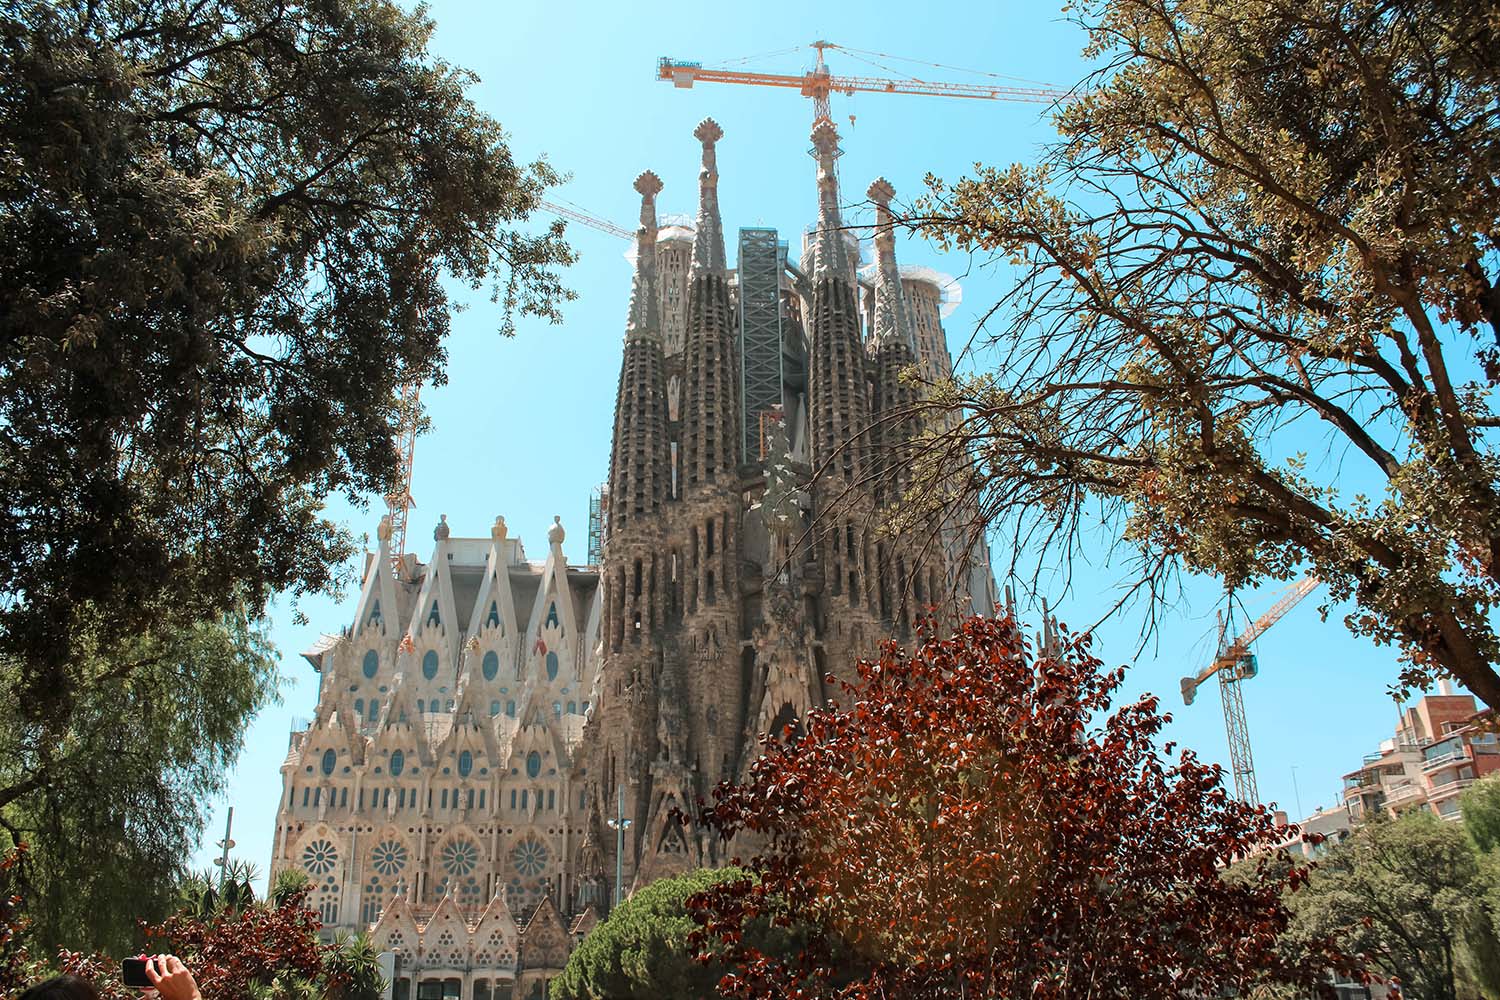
1255	316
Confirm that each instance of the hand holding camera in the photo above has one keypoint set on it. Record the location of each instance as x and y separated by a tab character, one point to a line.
163	973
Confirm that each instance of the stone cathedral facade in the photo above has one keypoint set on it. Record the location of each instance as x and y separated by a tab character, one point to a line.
485	715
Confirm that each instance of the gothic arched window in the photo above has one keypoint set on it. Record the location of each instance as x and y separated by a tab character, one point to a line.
552	615
533	764
398	761
551	665
329	760
465	764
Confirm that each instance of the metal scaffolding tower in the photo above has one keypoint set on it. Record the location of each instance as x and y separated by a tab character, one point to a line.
760	264
598	512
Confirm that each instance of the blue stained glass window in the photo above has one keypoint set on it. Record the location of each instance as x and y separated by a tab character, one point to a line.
551	666
552	615
533	764
372	663
433	618
429	664
494	708
421	706
490	665
572	708
359	706
494	619
374	709
465	764
329	759
398	761
510	709
375	613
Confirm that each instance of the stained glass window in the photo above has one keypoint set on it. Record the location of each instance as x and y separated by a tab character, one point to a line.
430	664
551	666
372	663
398	761
533	764
490	665
319	857
389	857
465	764
460	857
329	760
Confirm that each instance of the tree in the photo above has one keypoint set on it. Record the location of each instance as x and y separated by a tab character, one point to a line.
1480	806
1406	894
224	231
642	951
979	822
263	951
127	777
1255	316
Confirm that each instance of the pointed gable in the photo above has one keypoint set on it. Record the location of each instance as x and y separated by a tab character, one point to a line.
545	943
378	605
445	939
494	606
434	618
396	930
496	937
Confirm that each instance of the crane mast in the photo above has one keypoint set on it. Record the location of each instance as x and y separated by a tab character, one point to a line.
1234	663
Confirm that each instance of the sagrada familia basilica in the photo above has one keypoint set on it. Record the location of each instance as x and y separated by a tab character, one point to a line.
490	726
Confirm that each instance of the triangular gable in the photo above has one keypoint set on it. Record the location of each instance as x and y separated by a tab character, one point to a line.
494	606
497	918
378	605
545	943
554	602
471	733
434	618
396	930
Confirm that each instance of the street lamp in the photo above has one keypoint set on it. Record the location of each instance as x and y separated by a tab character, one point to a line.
619	824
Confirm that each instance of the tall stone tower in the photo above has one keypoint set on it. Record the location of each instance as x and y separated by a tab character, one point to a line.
737	582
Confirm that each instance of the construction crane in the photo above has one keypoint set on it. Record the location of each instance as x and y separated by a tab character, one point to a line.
1235	663
583	218
819	83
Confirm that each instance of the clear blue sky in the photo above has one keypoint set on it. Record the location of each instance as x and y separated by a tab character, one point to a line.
523	426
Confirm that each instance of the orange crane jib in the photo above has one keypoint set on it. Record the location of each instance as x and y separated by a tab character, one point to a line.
820	84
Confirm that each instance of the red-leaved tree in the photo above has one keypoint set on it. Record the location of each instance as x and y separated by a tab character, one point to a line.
265	949
979	823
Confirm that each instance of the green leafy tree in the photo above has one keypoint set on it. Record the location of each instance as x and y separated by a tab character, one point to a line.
1254	322
1480	806
1408	894
224	232
642	951
150	733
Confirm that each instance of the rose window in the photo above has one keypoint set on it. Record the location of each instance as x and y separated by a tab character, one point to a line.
460	857
389	857
530	857
319	857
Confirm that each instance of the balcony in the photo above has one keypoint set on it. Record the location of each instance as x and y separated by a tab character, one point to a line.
1406	793
1448	789
1448	759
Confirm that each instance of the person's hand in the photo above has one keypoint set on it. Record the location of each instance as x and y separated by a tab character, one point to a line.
171	979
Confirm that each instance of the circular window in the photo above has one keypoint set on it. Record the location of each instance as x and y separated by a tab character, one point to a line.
490	665
398	761
530	857
329	759
460	857
465	764
551	666
533	764
319	857
389	857
372	663
429	664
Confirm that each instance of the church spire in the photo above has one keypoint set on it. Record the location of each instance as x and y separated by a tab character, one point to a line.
831	253
892	319
895	423
708	246
645	310
638	463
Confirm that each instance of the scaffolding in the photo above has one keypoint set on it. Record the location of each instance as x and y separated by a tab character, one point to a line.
760	265
598	512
